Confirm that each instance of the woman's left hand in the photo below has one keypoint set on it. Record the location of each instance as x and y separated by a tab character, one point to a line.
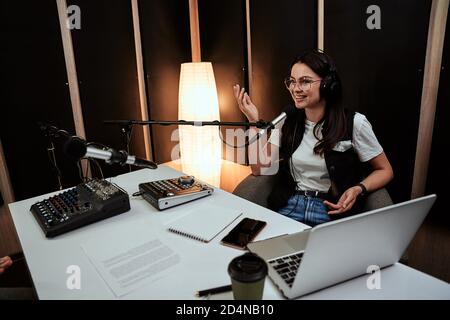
5	263
346	201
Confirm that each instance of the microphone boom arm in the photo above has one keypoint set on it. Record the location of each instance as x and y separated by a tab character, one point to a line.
259	124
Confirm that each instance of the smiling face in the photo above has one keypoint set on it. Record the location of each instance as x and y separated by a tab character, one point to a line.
307	93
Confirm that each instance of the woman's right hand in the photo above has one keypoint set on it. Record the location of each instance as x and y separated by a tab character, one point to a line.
245	104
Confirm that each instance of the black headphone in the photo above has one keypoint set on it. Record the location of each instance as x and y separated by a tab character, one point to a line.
330	86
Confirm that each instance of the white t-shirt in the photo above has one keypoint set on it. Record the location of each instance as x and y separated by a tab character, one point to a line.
310	170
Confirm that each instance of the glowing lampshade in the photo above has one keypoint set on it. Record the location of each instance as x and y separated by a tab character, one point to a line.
200	147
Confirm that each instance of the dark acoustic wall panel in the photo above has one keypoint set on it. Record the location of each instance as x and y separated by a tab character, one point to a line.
382	73
223	43
438	174
166	44
106	66
280	30
33	87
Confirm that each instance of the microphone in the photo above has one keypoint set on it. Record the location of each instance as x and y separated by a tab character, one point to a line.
288	111
77	148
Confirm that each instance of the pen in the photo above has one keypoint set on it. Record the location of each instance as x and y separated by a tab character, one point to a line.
213	290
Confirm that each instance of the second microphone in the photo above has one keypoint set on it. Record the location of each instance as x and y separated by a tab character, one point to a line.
78	148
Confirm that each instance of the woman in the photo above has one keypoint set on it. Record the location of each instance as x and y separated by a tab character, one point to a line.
322	147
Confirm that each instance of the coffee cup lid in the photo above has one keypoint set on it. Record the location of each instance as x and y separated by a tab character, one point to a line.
248	267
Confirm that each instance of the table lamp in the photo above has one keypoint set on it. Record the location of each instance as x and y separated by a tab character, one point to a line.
200	147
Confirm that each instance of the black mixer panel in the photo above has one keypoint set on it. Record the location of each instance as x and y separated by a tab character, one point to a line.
84	204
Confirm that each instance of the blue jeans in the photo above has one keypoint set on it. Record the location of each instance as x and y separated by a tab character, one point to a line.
310	211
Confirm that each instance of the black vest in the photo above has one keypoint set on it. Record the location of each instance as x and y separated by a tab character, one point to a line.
344	168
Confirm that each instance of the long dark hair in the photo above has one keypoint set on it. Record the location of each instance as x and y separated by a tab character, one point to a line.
333	123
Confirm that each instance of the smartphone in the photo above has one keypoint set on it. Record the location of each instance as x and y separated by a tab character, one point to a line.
244	232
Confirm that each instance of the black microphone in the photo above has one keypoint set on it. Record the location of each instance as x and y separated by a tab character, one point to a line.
288	111
77	148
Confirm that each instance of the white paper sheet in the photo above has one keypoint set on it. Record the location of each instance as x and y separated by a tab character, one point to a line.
126	265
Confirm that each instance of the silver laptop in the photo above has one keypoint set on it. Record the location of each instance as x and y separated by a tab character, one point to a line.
336	251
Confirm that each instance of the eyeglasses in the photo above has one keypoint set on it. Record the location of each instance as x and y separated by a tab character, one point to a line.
303	83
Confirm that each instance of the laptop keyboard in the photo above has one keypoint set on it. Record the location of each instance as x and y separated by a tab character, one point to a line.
287	266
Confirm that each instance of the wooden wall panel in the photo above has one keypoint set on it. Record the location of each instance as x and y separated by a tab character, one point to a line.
382	73
166	44
223	42
438	176
280	30
107	74
34	87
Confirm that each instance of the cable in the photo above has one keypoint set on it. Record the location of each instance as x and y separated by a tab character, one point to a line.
98	166
52	158
128	143
137	194
80	171
246	144
87	172
292	169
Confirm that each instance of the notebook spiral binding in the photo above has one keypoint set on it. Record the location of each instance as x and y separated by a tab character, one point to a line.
187	235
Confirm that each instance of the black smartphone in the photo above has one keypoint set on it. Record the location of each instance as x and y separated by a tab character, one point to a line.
244	232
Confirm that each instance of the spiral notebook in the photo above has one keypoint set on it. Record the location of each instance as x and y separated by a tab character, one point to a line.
204	224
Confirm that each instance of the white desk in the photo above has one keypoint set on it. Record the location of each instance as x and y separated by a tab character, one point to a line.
202	265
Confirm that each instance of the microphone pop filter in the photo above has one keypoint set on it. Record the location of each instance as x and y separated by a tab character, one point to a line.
75	147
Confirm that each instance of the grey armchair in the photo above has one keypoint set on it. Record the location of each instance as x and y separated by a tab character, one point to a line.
257	188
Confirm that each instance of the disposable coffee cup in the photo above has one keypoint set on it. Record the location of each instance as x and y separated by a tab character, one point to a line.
248	273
